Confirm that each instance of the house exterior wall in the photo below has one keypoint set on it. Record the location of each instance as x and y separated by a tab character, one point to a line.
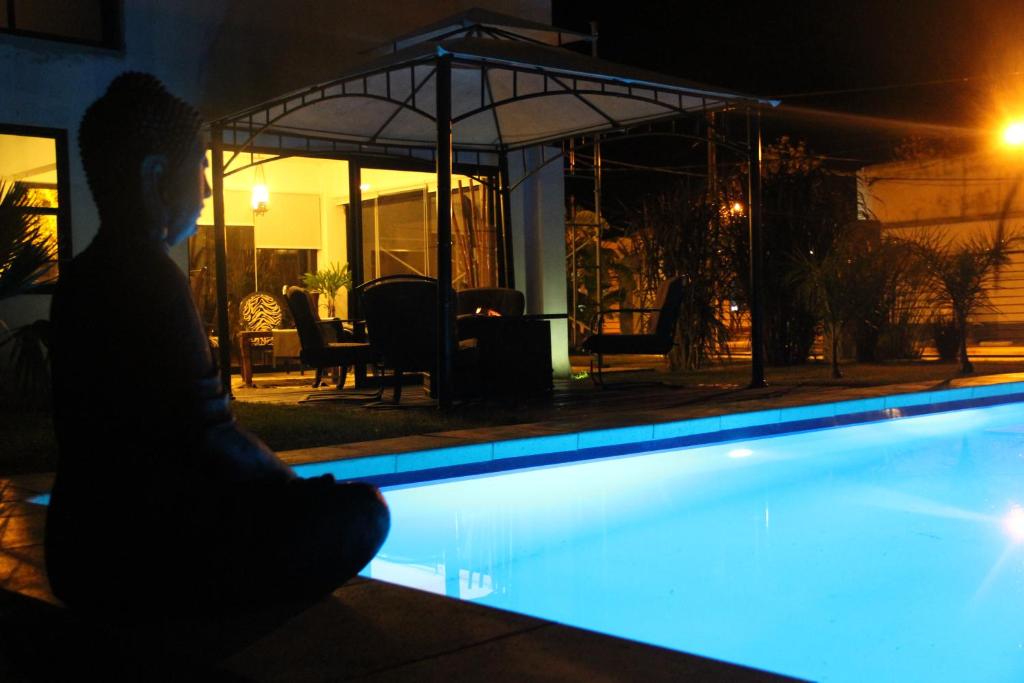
956	199
222	55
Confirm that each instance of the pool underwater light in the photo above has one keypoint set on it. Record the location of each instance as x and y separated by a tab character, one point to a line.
1014	523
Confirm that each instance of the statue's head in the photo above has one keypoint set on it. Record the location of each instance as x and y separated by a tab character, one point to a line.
144	158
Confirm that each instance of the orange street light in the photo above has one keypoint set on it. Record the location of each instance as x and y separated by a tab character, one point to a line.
1013	134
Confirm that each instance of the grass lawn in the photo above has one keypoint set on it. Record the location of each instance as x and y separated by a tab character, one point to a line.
27	443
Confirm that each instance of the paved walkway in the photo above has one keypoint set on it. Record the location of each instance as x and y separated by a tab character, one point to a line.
367	629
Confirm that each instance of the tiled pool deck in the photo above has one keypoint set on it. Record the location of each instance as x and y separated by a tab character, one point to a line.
374	631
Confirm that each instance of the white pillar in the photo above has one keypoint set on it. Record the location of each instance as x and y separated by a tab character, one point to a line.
538	244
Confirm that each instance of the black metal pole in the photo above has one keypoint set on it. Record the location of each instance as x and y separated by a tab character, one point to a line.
506	218
445	375
494	216
354	236
754	217
220	246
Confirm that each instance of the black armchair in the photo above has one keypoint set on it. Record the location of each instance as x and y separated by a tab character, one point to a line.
401	324
325	343
658	340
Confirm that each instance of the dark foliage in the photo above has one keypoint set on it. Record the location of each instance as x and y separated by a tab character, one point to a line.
685	231
806	208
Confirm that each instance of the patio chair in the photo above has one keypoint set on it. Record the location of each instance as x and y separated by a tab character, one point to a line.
401	324
325	343
659	338
260	312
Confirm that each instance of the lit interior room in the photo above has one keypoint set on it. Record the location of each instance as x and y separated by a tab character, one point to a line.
287	216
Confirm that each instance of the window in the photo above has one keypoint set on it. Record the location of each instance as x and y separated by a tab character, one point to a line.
90	22
400	235
398	247
37	160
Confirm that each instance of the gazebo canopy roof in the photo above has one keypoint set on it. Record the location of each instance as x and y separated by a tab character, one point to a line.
510	89
481	23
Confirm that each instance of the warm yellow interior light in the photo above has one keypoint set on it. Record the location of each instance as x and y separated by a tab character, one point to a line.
1013	134
363	187
260	198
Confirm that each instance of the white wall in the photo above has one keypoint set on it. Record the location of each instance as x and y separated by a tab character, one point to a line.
222	55
956	199
50	84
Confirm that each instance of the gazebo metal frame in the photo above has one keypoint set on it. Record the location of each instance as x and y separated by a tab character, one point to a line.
465	93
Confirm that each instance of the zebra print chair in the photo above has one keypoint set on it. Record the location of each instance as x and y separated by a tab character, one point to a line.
258	312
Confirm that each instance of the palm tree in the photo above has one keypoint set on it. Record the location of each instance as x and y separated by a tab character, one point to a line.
26	257
959	273
834	287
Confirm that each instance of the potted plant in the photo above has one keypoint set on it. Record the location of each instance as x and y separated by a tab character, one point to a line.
328	281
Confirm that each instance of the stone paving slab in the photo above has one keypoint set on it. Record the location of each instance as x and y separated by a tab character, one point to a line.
33	483
391	446
21	530
366	630
17	508
372	627
558	653
9	492
22	571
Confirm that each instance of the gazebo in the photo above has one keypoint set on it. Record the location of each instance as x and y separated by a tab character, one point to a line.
465	93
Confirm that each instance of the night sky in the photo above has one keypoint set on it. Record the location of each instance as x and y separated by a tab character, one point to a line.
794	48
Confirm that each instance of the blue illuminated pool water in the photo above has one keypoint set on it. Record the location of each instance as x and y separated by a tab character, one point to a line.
886	551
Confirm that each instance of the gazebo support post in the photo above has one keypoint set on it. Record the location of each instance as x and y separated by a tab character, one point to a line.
598	228
354	236
505	194
754	217
445	376
494	218
221	250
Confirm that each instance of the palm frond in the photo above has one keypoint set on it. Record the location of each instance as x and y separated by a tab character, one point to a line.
26	254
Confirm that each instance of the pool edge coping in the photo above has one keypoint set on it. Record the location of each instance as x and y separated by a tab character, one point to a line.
487	457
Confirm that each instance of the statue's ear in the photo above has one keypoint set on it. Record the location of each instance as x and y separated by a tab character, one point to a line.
153	172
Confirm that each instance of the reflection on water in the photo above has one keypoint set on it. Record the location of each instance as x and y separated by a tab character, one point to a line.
888	551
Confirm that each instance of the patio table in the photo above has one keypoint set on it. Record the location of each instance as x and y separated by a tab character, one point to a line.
515	353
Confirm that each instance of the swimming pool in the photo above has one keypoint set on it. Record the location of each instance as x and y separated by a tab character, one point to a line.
884	551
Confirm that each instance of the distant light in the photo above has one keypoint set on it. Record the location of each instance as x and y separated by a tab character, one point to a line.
1014	523
740	453
363	187
734	307
260	198
1013	134
736	208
